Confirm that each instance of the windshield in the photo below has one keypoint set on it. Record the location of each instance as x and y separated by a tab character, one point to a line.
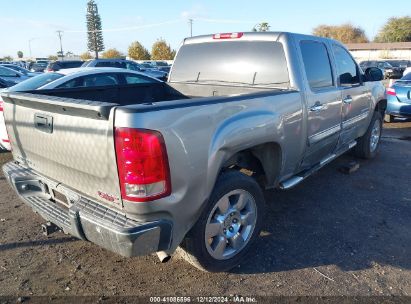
86	63
237	62
35	82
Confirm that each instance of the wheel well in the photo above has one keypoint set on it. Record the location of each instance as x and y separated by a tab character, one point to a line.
381	107
263	162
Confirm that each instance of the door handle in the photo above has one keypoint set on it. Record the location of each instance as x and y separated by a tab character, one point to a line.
347	99
317	107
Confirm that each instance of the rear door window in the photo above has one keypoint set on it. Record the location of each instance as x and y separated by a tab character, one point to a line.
317	64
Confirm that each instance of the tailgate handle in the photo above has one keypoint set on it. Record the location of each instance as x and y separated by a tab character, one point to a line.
43	123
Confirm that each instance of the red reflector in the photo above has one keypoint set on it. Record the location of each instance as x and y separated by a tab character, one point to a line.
142	164
228	35
391	91
1	105
6	140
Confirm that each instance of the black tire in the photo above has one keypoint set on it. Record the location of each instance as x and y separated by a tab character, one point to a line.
194	248
388	118
363	148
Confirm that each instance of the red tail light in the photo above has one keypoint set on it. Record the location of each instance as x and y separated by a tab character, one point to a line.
228	35
391	91
142	164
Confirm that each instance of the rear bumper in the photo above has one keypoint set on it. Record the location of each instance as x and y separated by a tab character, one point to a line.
396	108
89	220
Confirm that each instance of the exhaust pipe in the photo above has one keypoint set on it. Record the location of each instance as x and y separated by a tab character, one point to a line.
164	257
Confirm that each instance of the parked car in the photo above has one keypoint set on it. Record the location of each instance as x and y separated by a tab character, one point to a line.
63	64
11	75
389	71
125	64
20	70
399	99
38	67
185	162
81	83
400	64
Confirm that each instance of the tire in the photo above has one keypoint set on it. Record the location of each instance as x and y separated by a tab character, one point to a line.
388	118
367	145
230	231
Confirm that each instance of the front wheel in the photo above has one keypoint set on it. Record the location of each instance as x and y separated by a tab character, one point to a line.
367	145
228	226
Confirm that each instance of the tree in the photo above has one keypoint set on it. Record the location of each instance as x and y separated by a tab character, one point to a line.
112	53
86	56
395	30
161	51
20	54
137	51
52	57
94	30
261	27
346	33
8	58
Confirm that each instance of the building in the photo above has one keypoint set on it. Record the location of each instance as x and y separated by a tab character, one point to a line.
375	51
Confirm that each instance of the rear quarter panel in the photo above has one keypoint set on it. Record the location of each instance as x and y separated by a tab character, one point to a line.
199	139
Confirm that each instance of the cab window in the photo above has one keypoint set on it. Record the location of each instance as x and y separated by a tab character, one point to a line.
348	73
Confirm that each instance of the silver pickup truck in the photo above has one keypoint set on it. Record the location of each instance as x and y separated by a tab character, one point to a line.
184	163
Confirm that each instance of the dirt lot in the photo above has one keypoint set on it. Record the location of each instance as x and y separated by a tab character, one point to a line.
334	234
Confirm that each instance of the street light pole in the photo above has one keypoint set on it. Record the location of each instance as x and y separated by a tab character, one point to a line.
59	33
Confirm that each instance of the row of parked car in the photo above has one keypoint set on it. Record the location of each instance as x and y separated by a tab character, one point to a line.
392	69
13	73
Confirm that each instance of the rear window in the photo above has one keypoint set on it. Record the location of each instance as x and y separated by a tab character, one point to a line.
35	82
242	62
111	64
70	65
407	77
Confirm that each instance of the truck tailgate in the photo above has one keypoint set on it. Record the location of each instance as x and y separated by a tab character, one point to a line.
66	140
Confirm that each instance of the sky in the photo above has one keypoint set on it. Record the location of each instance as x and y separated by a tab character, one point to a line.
35	22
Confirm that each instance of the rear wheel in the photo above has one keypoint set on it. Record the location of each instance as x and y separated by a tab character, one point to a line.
367	145
228	226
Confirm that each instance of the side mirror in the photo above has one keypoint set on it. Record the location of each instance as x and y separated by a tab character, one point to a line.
374	74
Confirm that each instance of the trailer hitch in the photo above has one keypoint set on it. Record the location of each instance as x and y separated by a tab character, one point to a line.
49	228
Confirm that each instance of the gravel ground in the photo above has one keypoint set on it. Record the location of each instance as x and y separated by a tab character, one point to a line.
334	234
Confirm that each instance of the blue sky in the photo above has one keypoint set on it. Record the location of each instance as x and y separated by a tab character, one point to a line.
128	20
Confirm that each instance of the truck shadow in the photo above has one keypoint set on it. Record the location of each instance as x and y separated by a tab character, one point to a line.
351	221
15	245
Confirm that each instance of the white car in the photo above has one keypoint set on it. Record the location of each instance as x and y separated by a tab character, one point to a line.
72	78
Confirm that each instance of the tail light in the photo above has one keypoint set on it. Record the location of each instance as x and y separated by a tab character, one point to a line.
228	35
391	91
1	105
142	164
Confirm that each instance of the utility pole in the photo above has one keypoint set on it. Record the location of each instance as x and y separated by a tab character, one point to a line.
59	33
190	21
